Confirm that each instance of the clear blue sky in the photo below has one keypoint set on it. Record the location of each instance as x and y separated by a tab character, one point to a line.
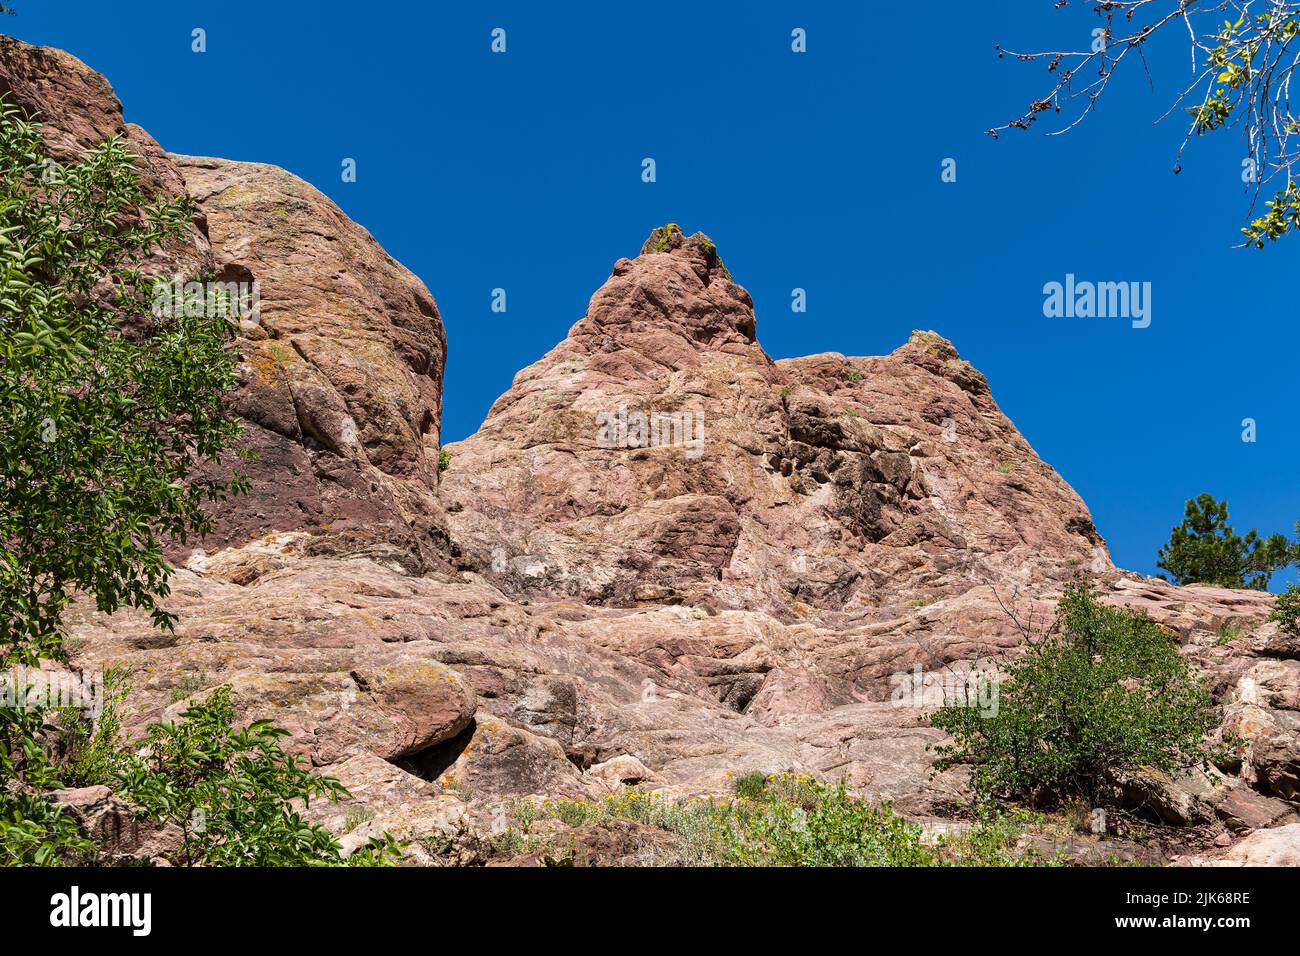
819	171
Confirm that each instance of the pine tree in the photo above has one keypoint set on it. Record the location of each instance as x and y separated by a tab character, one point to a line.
1205	550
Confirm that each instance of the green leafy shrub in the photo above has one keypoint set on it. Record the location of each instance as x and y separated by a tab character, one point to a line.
751	786
1228	633
1203	549
88	750
231	792
34	833
1104	690
792	819
1287	610
105	408
993	840
34	759
802	822
104	411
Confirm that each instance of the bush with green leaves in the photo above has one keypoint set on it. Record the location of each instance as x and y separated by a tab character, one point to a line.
34	832
788	819
232	793
38	754
750	785
1204	549
48	748
1104	690
105	408
1287	610
799	821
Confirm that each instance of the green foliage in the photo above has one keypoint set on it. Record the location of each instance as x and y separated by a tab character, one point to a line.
662	236
1282	217
34	833
1104	690
103	409
189	685
791	819
751	786
1227	634
801	822
231	792
993	840
444	460
1239	66
356	816
1246	54
1205	550
89	752
1237	55
1287	610
1233	56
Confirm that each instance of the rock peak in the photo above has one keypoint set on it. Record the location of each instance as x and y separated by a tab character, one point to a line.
670	239
933	342
932	351
664	238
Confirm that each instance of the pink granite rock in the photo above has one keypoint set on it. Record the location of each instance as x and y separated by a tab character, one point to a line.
665	559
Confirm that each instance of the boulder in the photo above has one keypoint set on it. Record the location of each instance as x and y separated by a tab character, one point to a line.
119	834
342	368
1279	846
621	771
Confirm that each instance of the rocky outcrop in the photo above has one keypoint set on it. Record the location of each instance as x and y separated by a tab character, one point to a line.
343	360
1275	847
342	372
659	456
664	559
77	108
120	836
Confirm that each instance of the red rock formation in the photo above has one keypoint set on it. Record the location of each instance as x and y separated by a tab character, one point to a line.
342	376
342	393
673	558
823	484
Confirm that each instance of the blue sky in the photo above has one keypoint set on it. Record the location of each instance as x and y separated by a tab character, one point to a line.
818	170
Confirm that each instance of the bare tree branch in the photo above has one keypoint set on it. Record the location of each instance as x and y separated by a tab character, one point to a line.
1243	55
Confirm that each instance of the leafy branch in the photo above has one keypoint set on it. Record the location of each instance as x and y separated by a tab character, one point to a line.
1243	54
